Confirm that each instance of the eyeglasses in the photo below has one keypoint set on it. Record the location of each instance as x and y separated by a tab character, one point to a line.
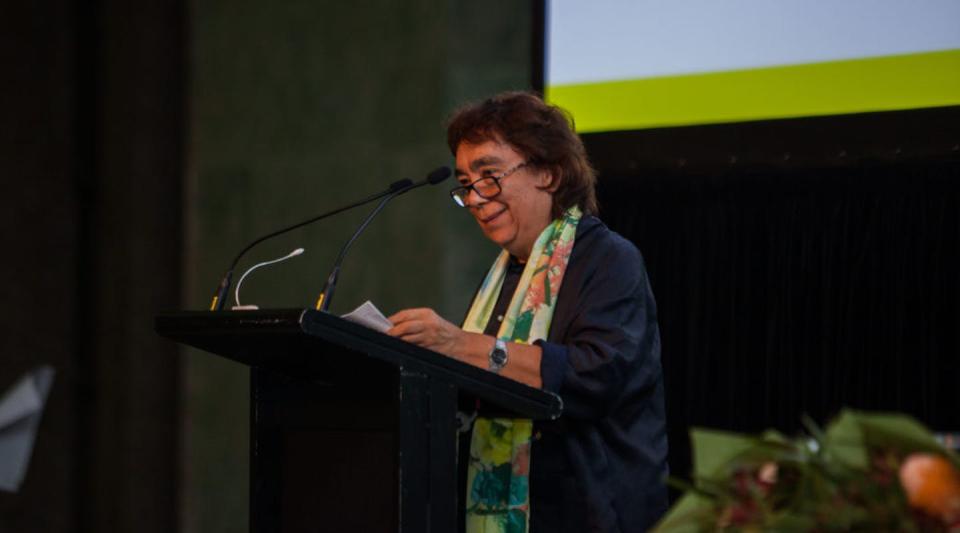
486	186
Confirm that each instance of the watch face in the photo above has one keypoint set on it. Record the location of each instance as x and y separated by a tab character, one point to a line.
498	357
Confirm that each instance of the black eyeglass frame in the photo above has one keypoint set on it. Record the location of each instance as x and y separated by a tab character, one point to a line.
459	194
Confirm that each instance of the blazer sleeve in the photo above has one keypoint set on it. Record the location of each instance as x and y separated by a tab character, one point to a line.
608	344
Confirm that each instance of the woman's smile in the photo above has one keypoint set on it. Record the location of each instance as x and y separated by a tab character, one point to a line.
514	217
489	217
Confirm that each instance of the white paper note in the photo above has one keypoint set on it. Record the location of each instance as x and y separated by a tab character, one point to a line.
368	315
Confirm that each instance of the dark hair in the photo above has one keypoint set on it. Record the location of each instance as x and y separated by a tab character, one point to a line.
542	133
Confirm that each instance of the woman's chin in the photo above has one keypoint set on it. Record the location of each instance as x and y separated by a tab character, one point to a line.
501	236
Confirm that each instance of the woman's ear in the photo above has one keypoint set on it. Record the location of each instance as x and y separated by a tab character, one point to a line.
548	179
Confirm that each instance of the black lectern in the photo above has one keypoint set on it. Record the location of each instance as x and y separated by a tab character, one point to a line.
351	430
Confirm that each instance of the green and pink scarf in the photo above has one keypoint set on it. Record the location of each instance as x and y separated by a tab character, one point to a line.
498	499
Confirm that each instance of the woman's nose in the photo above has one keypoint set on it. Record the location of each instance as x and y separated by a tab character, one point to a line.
474	199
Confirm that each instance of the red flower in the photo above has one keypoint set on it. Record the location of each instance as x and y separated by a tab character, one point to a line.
521	461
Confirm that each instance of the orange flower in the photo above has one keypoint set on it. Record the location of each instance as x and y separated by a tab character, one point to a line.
932	485
536	293
555	275
562	252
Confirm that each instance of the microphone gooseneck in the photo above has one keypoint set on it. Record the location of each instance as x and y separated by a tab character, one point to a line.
236	292
326	294
395	189
220	295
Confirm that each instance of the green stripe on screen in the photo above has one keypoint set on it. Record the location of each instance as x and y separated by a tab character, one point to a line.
837	87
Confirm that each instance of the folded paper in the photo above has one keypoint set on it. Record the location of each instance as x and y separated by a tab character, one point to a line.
20	411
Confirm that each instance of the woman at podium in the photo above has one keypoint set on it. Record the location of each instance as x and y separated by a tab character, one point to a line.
566	307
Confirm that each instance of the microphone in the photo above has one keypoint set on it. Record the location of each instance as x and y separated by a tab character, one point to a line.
219	296
434	177
326	294
236	292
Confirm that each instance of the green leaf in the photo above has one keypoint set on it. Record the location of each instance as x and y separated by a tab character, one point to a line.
847	482
521	328
900	432
791	522
686	516
843	441
713	450
488	489
772	435
516	521
813	428
546	290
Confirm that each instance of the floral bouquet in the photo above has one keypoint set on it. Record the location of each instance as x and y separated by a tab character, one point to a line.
865	472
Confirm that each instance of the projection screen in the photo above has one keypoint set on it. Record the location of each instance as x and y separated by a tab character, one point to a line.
635	64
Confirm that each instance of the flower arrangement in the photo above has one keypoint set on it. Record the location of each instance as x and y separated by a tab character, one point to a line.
865	472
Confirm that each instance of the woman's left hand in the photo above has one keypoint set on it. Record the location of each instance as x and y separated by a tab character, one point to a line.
424	327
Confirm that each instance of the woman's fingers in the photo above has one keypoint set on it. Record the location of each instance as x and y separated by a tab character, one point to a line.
403	323
400	329
413	338
424	327
410	314
414	318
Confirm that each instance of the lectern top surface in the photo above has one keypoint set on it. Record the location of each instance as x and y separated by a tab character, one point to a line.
308	342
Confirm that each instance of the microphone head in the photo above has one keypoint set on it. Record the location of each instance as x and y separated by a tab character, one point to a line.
438	175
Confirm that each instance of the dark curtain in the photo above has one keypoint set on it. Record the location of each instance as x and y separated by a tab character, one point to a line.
92	149
783	293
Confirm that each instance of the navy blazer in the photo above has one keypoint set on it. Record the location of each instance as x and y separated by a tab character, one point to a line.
601	467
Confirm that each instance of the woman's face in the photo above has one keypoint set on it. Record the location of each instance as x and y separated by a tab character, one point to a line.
514	218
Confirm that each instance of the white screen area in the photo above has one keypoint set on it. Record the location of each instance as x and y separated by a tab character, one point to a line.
601	41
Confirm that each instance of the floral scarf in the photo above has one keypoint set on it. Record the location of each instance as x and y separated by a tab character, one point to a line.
497	480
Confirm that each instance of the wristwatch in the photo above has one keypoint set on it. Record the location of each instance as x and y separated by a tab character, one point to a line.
498	356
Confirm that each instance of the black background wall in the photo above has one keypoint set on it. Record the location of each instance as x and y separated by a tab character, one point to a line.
800	266
92	123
